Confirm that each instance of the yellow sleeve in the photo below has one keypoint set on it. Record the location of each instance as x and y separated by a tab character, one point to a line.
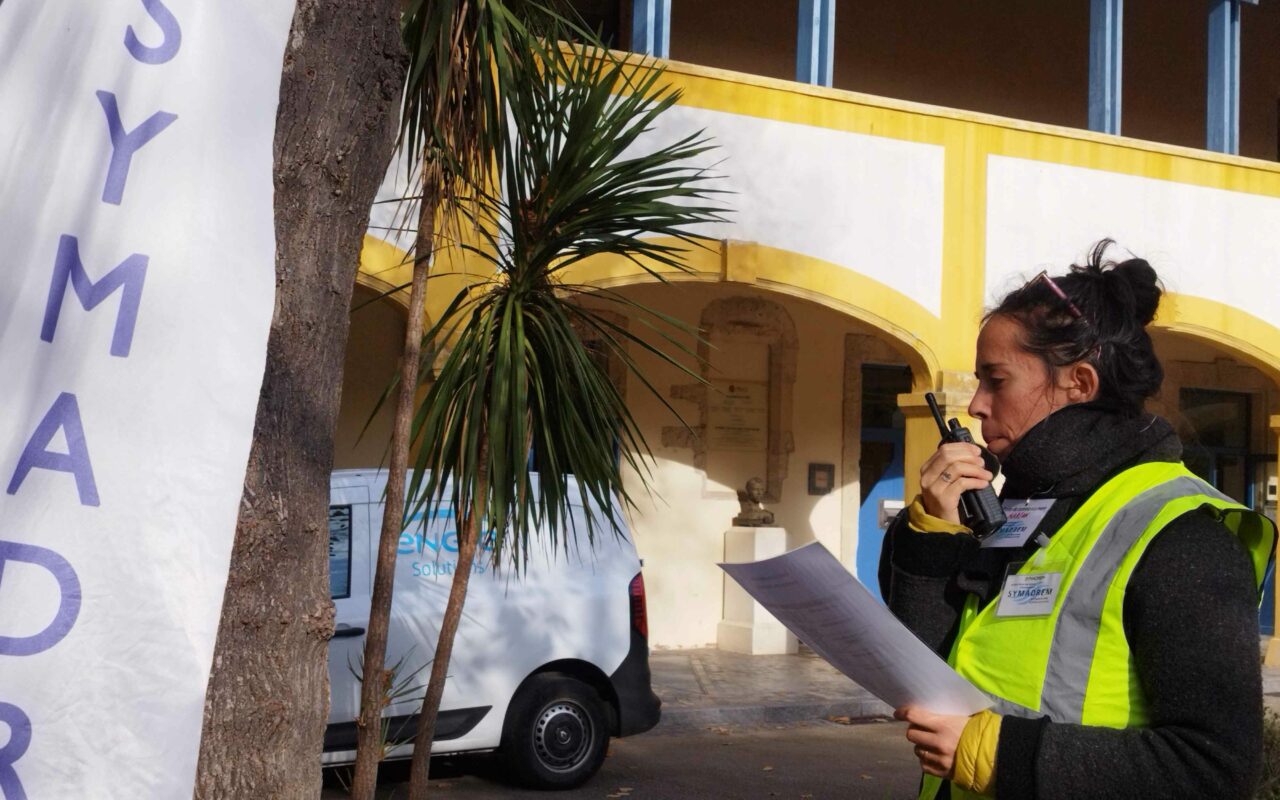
975	764
921	521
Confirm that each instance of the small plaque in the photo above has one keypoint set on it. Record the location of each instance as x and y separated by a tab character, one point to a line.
738	416
822	478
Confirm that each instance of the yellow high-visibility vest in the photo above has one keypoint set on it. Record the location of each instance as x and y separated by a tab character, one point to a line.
1073	664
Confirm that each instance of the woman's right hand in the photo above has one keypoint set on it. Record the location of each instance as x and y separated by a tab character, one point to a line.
956	467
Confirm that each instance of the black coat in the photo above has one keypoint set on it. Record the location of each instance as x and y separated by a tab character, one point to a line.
1190	615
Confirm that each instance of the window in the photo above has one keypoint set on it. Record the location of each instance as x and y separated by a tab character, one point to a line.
882	421
604	17
1218	447
339	552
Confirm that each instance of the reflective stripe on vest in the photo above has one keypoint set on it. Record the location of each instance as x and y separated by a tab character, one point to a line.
1074	664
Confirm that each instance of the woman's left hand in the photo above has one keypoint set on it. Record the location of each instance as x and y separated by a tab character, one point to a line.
935	737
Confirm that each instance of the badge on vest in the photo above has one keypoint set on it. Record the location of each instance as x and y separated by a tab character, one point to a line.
1030	595
1022	519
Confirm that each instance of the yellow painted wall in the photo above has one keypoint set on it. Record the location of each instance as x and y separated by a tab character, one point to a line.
679	534
969	140
939	344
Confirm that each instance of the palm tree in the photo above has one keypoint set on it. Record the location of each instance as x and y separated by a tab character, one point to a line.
575	181
460	54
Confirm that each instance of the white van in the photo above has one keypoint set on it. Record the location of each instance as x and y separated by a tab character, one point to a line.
546	665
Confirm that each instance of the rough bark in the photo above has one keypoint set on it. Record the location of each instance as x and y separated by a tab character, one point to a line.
267	702
376	684
469	536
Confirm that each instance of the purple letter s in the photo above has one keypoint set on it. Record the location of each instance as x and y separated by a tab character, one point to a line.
168	48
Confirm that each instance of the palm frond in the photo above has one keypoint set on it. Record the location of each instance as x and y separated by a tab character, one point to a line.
580	175
463	55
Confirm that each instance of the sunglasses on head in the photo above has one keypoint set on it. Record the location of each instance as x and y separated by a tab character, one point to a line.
1057	290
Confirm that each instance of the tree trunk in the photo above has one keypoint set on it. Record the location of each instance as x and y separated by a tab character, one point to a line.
267	701
470	530
376	684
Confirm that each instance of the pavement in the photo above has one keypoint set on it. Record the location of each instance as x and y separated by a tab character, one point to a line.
733	726
714	687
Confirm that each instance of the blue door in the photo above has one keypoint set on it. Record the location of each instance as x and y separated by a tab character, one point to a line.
886	444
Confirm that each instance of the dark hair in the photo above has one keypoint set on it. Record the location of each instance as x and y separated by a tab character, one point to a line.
1102	321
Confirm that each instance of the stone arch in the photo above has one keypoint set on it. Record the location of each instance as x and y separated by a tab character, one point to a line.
603	352
761	319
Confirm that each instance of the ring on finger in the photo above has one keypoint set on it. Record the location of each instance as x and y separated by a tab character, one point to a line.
946	476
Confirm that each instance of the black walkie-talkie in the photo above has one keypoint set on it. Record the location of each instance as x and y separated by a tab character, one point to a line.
980	509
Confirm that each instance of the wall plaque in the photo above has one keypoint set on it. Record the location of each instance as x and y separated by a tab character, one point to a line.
738	416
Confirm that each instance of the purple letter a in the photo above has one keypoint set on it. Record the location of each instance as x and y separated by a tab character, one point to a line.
64	414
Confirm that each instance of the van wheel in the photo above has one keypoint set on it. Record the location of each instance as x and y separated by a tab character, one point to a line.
556	733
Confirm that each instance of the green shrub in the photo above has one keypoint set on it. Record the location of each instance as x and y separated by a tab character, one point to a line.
1269	786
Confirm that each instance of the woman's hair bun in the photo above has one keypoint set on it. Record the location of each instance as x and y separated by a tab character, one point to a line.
1143	287
1097	313
1131	286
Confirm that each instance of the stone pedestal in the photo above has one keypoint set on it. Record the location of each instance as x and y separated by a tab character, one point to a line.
747	627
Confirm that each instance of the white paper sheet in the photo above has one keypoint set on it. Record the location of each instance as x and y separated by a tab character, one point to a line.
826	607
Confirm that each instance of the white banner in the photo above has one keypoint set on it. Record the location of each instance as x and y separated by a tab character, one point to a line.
137	253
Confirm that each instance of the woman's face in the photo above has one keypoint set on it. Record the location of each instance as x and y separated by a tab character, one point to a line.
1014	389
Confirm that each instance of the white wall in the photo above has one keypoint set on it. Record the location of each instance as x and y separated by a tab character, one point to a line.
1211	243
679	530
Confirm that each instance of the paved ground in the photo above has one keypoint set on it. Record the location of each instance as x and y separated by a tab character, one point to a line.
805	760
707	686
735	726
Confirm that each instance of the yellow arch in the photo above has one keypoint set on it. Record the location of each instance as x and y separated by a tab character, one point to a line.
899	317
385	269
909	325
1239	332
917	332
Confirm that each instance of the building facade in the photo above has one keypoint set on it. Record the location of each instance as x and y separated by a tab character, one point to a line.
870	231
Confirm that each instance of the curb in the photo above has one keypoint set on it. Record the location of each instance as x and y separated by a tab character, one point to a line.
677	719
683	719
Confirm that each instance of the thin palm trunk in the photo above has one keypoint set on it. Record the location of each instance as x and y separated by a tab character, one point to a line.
470	529
376	686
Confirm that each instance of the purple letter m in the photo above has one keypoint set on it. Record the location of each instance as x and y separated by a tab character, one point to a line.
127	277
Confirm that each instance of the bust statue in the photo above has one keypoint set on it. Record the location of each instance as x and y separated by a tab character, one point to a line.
752	513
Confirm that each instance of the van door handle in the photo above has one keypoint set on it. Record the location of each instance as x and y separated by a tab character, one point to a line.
347	631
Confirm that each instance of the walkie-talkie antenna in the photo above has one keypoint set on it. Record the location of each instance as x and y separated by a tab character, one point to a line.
937	413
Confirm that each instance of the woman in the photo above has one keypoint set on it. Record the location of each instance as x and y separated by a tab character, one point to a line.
1120	640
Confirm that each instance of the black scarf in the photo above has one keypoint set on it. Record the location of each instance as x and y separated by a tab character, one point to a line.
1075	449
1066	456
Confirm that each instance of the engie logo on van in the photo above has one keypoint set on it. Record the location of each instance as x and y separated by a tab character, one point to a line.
434	532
